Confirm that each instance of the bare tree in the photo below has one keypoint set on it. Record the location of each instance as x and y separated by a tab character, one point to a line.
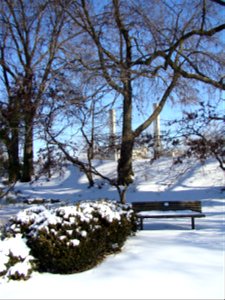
69	109
165	44
31	36
200	133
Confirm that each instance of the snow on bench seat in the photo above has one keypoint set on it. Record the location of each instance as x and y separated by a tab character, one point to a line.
167	212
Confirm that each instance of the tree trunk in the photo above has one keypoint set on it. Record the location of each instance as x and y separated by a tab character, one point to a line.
89	175
12	140
88	170
125	170
28	168
122	193
13	157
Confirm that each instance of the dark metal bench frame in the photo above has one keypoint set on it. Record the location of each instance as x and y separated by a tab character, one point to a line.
195	206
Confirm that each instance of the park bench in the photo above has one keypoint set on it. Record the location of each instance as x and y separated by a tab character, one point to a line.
168	209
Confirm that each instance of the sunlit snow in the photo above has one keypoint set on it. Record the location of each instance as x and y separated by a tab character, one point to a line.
167	260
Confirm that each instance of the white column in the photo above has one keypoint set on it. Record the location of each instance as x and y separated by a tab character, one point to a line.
156	134
112	133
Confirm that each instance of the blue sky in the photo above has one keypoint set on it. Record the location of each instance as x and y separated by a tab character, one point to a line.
170	112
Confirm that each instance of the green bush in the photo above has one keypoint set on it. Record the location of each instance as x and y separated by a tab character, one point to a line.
74	238
15	259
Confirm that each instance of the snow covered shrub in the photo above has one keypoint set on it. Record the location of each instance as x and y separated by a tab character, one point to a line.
71	239
15	260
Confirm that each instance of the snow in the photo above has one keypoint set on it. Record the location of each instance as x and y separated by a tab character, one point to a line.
20	267
167	260
16	247
75	242
15	244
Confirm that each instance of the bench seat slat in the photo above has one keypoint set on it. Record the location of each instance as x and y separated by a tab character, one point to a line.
171	216
173	213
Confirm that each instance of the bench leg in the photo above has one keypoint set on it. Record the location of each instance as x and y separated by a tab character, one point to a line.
192	222
141	223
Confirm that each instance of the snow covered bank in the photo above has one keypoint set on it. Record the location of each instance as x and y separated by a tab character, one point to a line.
167	260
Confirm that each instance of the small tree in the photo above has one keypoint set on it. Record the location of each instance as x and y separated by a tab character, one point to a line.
201	132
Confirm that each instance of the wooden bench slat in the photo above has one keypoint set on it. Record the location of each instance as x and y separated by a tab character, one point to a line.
171	216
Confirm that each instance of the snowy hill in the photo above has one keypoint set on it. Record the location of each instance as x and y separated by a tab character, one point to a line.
158	181
167	260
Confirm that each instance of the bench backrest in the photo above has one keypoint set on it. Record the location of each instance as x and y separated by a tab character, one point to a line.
167	205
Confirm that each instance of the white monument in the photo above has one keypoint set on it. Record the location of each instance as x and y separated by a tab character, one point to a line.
112	134
156	134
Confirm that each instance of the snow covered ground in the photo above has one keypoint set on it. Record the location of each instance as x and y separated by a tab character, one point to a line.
167	260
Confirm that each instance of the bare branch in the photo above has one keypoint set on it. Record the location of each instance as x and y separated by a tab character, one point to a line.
220	2
159	108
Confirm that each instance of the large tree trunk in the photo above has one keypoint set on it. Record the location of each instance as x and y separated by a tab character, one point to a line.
12	140
13	157
29	111
125	170
28	168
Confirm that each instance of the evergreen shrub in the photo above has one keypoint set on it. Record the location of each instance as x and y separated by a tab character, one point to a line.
15	260
71	239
